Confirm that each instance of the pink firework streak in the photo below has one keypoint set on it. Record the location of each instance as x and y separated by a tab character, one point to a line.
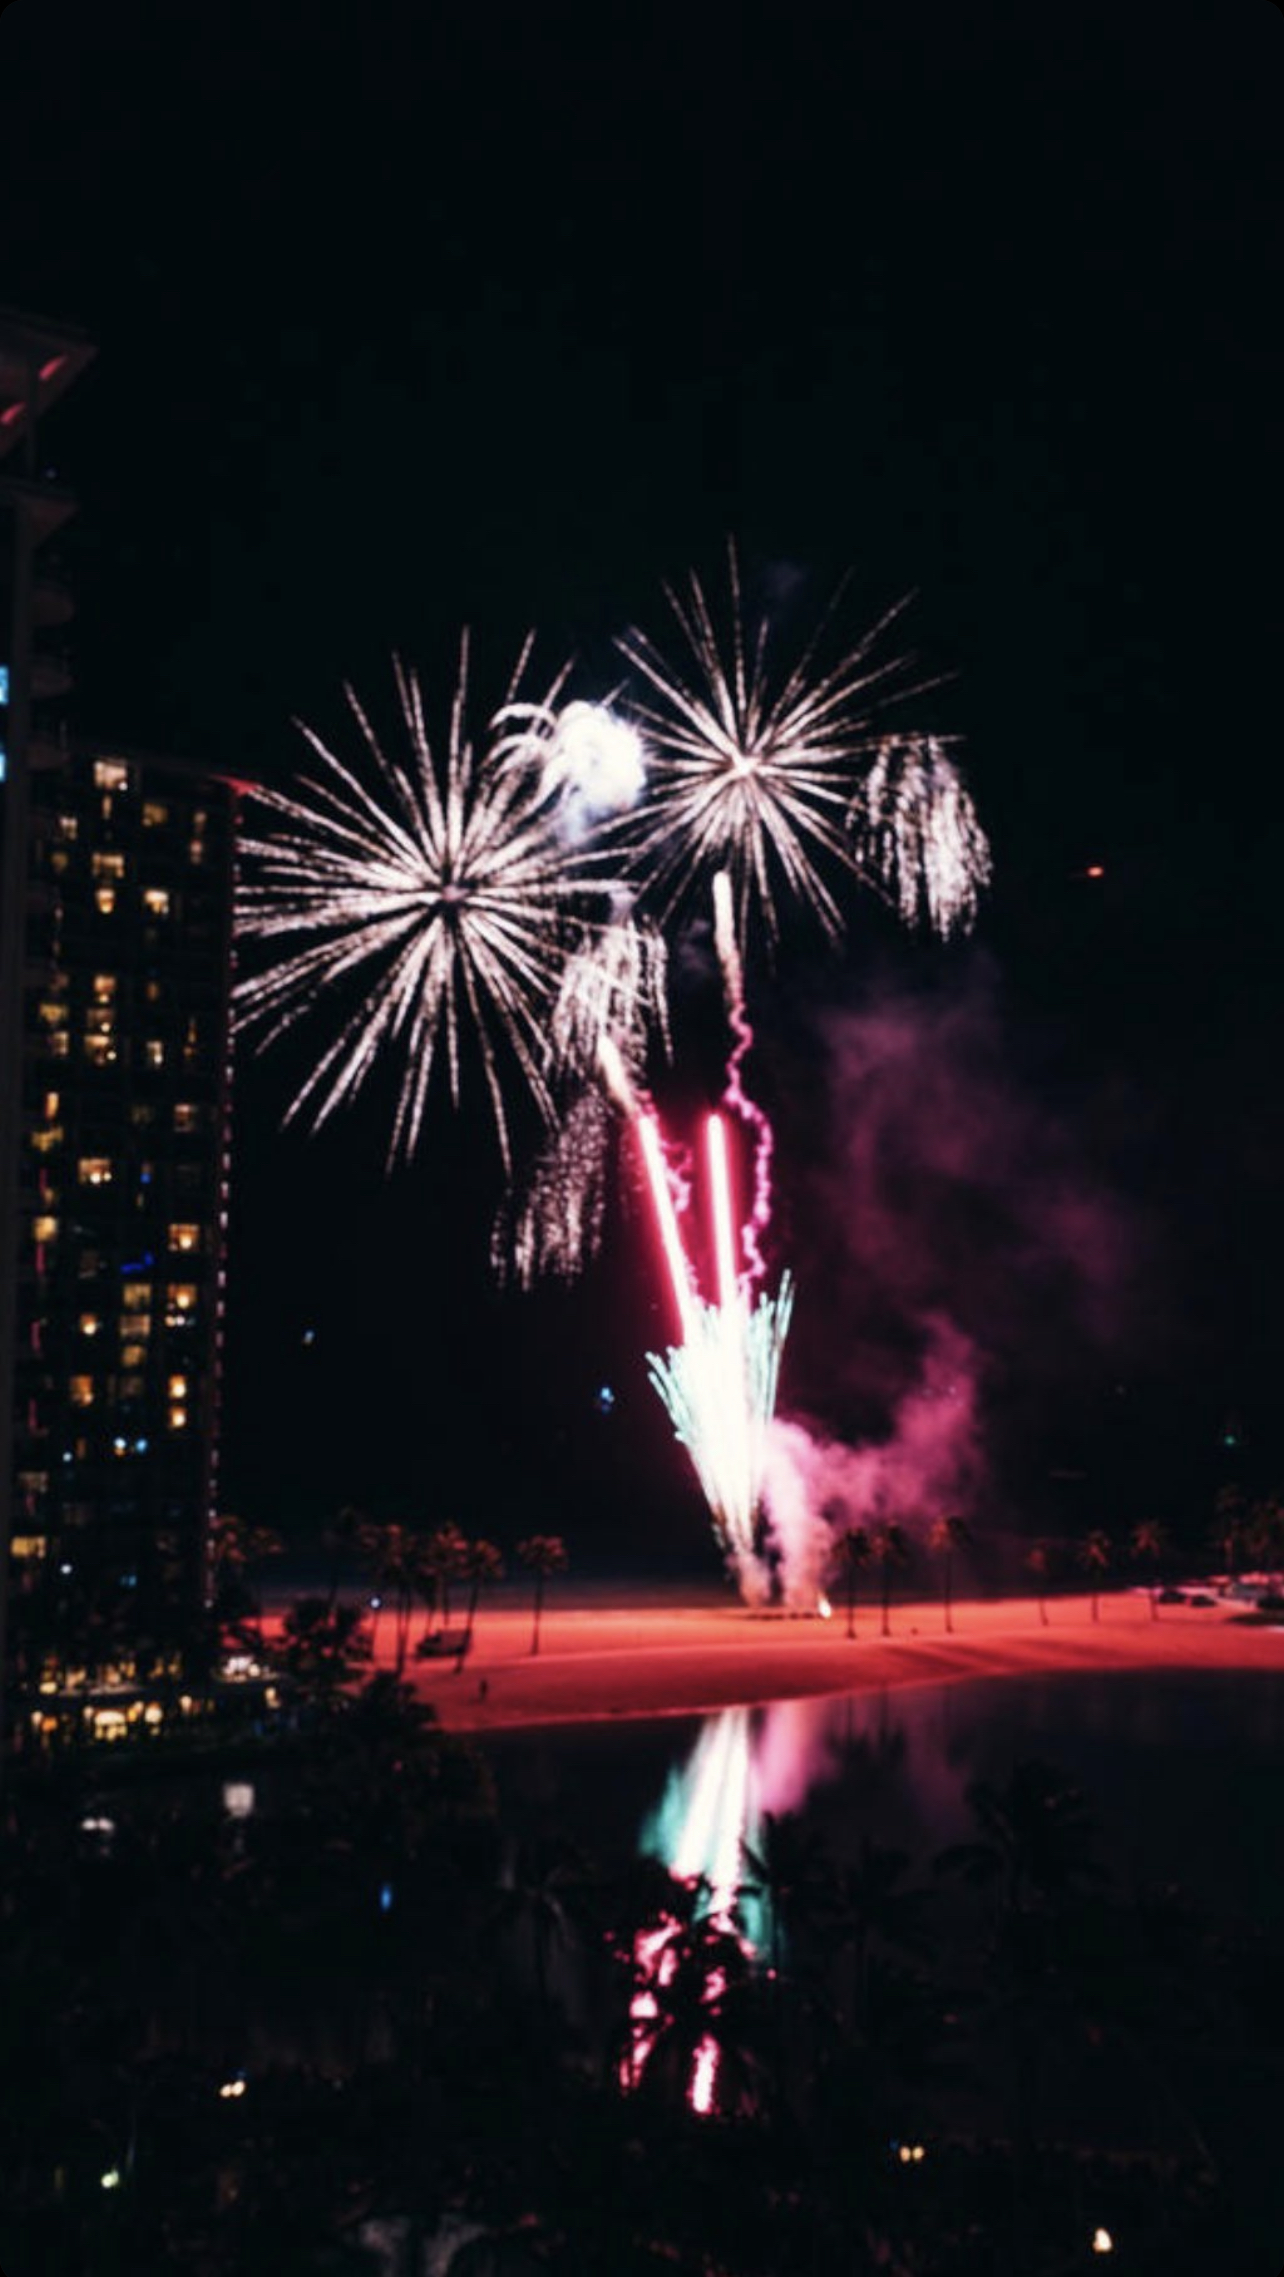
735	1096
719	1384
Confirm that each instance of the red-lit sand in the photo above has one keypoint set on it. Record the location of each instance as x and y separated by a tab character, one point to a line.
650	1660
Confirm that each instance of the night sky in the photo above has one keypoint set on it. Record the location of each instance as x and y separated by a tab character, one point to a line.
501	315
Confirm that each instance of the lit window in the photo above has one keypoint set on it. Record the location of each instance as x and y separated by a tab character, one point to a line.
100	1051
154	1052
58	861
186	1118
89	1324
111	775
178	1387
155	814
108	865
81	1389
178	1419
156	901
66	825
52	1012
196	853
45	1229
94	1170
141	1115
105	900
181	1306
58	1045
136	1297
184	1237
131	1387
153	992
135	1355
51	1106
199	820
47	1141
104	988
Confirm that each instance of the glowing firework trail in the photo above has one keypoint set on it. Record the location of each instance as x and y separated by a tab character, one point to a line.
735	1095
442	893
719	1384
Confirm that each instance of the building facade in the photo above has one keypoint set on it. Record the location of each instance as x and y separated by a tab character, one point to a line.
115	962
122	1205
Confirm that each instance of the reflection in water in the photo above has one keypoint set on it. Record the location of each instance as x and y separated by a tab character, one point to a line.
745	1763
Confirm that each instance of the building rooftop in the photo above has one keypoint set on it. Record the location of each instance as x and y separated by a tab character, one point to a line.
30	346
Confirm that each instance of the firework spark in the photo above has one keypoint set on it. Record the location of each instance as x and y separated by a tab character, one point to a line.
610	1005
440	896
918	833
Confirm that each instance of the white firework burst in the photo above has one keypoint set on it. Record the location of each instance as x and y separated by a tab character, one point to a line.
428	898
751	773
917	833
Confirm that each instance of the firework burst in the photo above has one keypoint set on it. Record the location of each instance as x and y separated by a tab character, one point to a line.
437	894
917	833
752	773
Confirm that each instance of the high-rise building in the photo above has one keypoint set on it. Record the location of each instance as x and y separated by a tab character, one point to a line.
123	1204
114	987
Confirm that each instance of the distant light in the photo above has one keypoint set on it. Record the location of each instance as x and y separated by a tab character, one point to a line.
140	1446
238	1798
605	1400
1102	2242
64	1569
385	1898
1095	870
824	1608
104	1826
375	1604
309	1336
111	2179
232	2088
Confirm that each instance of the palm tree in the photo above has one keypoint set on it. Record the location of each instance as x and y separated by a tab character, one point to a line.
341	1537
1265	1531
1038	1561
393	1553
1149	1541
945	1537
876	1910
790	1869
1095	1553
853	1551
445	1556
891	1547
481	1562
238	1548
1230	1526
1036	1837
322	1649
542	1555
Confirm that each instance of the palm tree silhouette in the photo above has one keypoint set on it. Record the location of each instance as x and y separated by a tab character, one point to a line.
945	1537
542	1555
891	1548
1095	1553
1149	1541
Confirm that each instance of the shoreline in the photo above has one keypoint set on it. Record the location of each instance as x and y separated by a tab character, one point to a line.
632	1661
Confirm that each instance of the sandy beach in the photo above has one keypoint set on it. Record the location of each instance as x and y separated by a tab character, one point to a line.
640	1659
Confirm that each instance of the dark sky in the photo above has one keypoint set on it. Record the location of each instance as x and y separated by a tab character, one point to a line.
501	314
